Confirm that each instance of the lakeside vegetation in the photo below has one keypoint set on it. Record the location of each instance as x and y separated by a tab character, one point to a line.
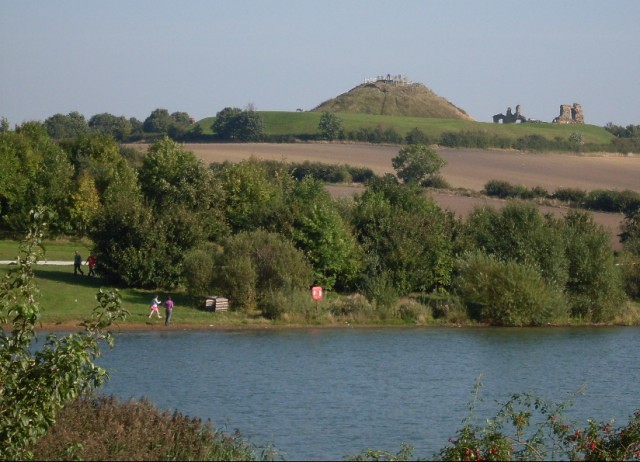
261	233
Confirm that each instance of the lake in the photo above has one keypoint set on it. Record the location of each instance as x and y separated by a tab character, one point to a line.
319	394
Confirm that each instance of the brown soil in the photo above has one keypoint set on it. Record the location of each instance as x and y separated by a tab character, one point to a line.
466	168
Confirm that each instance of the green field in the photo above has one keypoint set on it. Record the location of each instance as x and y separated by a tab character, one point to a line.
278	123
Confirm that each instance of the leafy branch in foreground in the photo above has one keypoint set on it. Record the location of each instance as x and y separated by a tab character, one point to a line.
35	384
528	427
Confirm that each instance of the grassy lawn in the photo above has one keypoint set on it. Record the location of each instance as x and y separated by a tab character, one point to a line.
67	298
60	249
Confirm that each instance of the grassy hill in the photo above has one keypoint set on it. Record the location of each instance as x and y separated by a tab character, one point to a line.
384	98
305	124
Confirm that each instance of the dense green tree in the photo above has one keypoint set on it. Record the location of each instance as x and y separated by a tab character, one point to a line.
324	237
416	162
234	124
330	126
99	155
251	195
519	232
171	175
118	127
258	262
60	126
158	121
35	171
405	235
594	286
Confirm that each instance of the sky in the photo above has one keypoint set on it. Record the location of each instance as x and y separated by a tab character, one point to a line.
130	57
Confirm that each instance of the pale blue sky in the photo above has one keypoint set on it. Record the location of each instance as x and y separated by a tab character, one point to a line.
129	57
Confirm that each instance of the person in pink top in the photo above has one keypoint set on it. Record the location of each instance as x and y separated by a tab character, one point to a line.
168	311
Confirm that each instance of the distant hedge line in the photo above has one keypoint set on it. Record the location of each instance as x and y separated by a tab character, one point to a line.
604	200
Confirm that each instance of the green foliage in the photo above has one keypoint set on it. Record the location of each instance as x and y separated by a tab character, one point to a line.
625	201
251	193
172	176
630	232
324	237
530	427
416	162
330	126
519	232
404	232
34	171
105	428
199	269
72	125
37	383
158	121
233	124
139	249
254	263
594	285
507	293
119	128
504	190
573	195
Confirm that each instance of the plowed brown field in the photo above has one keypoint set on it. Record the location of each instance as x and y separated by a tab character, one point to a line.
466	168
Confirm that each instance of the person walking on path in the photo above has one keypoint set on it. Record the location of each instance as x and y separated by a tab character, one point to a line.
154	307
91	261
77	263
168	311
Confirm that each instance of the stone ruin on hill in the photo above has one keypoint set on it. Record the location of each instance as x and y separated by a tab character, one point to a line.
510	118
570	114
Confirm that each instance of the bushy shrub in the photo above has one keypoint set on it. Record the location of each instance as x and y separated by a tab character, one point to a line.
435	181
573	195
499	188
594	286
608	200
504	190
104	428
290	305
199	269
414	311
254	263
508	293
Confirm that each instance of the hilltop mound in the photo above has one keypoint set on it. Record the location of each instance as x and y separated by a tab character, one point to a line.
389	98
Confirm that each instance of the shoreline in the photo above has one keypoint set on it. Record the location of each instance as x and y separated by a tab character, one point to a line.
160	327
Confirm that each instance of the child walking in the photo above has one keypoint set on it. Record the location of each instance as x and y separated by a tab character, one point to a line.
154	307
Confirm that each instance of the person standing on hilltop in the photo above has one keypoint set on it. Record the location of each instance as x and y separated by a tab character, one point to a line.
77	264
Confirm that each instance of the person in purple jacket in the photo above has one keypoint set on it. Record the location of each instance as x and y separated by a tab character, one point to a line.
169	310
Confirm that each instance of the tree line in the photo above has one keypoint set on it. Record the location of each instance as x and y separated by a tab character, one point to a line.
233	124
261	234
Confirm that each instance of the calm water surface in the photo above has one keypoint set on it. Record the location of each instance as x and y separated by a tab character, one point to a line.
321	394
